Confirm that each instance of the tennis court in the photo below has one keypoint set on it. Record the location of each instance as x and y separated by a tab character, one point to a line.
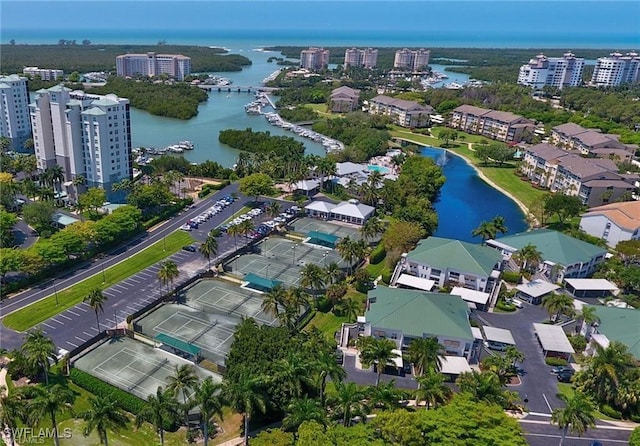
208	317
282	259
134	367
305	225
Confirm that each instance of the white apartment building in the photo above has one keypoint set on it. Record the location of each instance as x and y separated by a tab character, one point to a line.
414	60
366	58
616	69
559	72
87	135
46	74
314	58
404	113
14	110
151	64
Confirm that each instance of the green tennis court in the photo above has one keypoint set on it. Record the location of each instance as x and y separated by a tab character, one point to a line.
305	225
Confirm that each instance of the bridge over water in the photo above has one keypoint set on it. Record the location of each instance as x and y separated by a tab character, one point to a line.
236	88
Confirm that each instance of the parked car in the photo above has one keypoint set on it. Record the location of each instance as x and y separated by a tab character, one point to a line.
189	248
515	302
497	346
339	356
186	227
565	377
562	369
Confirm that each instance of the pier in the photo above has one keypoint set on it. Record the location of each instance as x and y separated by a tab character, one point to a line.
236	88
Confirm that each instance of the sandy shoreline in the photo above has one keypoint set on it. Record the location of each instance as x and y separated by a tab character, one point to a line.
529	216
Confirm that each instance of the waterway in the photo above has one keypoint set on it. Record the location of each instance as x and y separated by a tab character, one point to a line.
466	200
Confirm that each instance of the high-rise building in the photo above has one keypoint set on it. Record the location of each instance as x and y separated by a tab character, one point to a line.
559	72
151	64
366	58
46	74
616	69
314	58
414	60
14	110
87	135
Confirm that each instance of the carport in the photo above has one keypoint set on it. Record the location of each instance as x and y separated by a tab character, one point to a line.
260	283
553	340
500	335
419	283
478	298
455	365
590	287
322	239
534	291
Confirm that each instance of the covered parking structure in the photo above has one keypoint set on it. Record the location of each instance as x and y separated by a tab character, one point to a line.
477	298
553	340
322	239
258	283
498	335
453	366
590	287
535	290
419	283
180	346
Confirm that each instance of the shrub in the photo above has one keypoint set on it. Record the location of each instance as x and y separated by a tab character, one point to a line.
386	277
503	306
610	412
554	362
578	342
377	255
511	277
635	437
125	400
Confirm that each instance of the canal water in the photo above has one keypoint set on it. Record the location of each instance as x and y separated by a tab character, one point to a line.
466	200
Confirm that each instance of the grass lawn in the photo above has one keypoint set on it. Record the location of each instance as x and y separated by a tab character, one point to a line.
567	390
322	110
327	323
42	310
376	270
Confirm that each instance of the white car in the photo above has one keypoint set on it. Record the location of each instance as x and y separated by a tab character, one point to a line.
185	227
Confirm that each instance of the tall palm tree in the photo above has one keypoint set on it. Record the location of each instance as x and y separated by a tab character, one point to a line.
347	401
486	231
293	372
39	349
160	408
95	299
426	354
274	300
297	297
347	249
234	230
333	272
167	273
513	355
485	386
312	277
350	308
104	415
325	366
209	248
57	175
604	375
577	415
588	318
273	209
245	395
207	397
557	304
48	402
499	224
183	381
528	257
301	410
379	352
371	228
12	409
431	389
246	227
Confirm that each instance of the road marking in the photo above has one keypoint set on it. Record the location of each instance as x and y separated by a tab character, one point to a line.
131	308
111	321
73	312
144	274
78	307
72	344
47	325
56	320
133	279
539	414
88	334
80	339
547	401
120	286
576	438
65	316
111	292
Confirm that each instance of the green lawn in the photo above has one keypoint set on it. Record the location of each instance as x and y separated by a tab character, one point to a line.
327	323
322	110
567	390
42	310
376	270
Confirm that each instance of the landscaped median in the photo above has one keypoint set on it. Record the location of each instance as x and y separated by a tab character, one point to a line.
42	310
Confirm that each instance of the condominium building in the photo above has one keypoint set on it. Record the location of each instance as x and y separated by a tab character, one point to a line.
87	135
616	69
151	64
46	74
499	125
592	142
314	58
366	58
414	60
402	112
559	72
344	99
14	110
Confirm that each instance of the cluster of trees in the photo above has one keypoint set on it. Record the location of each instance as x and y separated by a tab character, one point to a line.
174	101
494	152
86	57
262	142
489	229
298	114
624	270
167	163
298	91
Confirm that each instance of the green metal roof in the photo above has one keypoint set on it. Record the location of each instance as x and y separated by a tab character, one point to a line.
323	237
417	313
554	246
621	324
261	282
444	253
178	344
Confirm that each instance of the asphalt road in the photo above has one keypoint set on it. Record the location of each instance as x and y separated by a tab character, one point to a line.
24	235
540	432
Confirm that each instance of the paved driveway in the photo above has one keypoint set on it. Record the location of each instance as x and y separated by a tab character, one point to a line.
24	235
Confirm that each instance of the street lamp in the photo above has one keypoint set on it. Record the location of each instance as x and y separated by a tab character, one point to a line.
324	259
164	242
267	273
55	290
103	276
293	248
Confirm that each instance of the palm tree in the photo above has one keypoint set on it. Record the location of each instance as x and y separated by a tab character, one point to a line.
167	273
333	272
606	370
576	416
246	227
182	382
513	355
206	397
426	354
245	395
39	349
347	249
431	389
499	224
379	352
486	231
274	299
48	402
347	401
371	228
95	299
326	366
103	415
297	297
485	386
588	317
557	304
273	209
160	408
12	409
234	230
350	308
209	248
56	175
312	277
385	396
301	410
293	372
528	256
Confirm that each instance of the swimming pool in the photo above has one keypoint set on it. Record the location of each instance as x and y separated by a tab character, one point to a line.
376	168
